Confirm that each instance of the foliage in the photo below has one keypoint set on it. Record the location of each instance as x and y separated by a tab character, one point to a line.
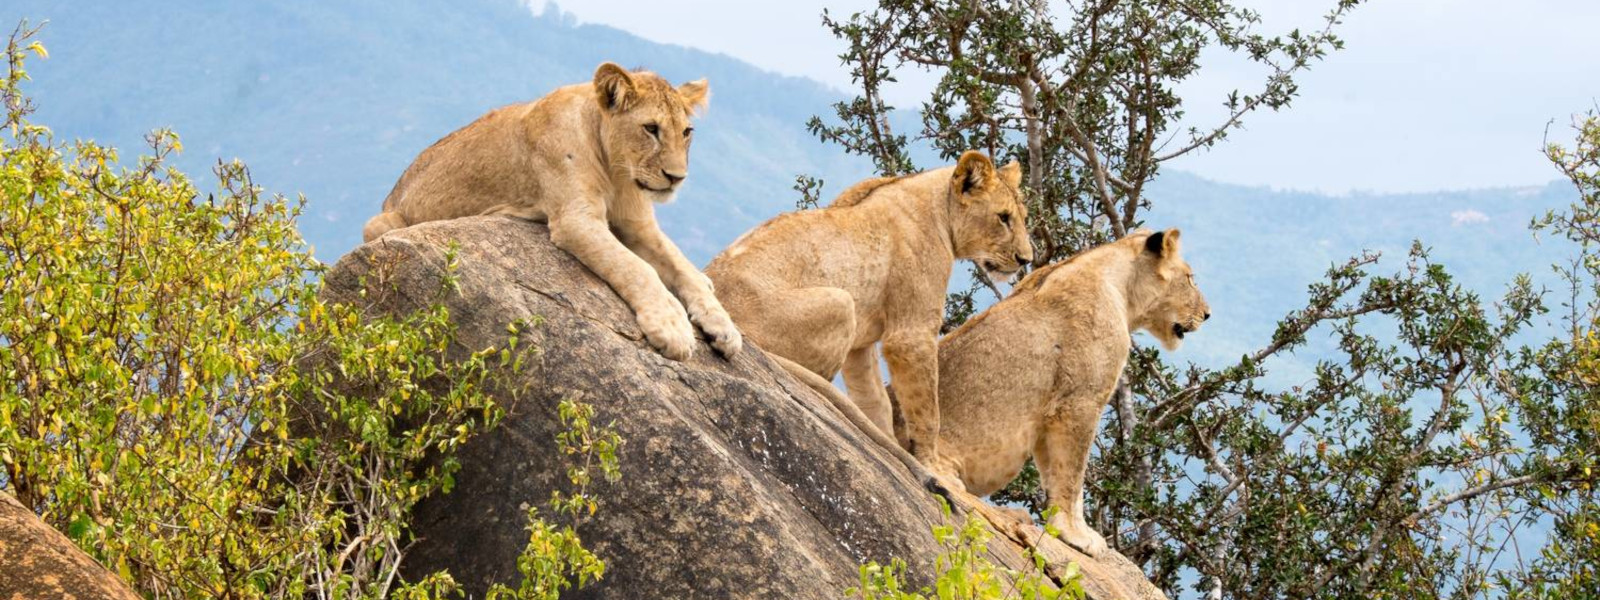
962	572
1385	475
554	557
1025	491
1084	95
1561	382
177	398
1405	464
810	189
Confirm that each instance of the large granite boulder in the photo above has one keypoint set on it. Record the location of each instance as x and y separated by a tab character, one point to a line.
737	480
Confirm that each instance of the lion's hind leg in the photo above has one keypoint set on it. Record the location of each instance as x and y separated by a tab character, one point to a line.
381	224
862	377
812	327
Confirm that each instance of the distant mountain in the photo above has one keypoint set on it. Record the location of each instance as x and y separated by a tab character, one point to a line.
334	99
1255	250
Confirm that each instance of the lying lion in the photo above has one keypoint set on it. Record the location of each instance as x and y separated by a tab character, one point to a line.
1031	375
591	159
820	288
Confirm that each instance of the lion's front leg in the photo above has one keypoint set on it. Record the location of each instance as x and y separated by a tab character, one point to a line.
645	238
1062	455
659	315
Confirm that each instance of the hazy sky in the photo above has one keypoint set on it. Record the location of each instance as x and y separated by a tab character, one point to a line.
1428	94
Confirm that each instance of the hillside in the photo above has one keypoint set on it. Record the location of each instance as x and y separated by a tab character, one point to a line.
1255	249
333	100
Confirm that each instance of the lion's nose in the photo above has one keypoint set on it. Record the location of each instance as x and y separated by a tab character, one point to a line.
1022	260
673	178
1206	318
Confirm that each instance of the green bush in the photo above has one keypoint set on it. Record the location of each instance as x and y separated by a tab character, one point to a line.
963	571
177	399
1561	383
555	559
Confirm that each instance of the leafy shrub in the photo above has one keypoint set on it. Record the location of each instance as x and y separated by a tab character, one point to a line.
177	398
554	556
1560	381
963	572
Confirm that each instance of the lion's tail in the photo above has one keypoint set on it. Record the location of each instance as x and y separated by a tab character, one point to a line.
853	414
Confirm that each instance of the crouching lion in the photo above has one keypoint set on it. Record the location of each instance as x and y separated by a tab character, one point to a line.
820	288
591	159
1031	375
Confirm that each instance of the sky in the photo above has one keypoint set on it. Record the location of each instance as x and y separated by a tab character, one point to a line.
1428	94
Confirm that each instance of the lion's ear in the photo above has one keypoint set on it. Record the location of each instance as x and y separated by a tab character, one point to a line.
696	94
1163	243
1012	173
973	171
613	87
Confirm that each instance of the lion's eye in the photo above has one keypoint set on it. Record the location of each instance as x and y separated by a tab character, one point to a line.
1005	218
652	129
687	131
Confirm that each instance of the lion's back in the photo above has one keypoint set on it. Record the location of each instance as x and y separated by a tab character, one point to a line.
489	163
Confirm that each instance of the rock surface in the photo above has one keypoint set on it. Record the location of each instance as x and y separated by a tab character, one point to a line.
38	563
737	481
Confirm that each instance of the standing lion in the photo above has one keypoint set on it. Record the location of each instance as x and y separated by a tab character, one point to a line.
1031	375
821	288
591	159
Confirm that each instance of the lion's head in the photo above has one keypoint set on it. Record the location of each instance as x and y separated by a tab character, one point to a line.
1167	283
990	222
645	130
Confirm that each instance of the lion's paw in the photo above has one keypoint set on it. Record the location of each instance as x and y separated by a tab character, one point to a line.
945	473
719	328
944	485
1077	534
668	329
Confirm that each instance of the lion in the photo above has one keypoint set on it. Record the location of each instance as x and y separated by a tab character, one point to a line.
820	289
590	159
1031	375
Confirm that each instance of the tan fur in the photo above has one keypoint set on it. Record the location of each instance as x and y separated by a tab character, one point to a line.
823	287
854	194
585	160
1031	375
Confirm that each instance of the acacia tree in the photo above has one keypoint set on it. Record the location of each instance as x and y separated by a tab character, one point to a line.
1395	472
1085	97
